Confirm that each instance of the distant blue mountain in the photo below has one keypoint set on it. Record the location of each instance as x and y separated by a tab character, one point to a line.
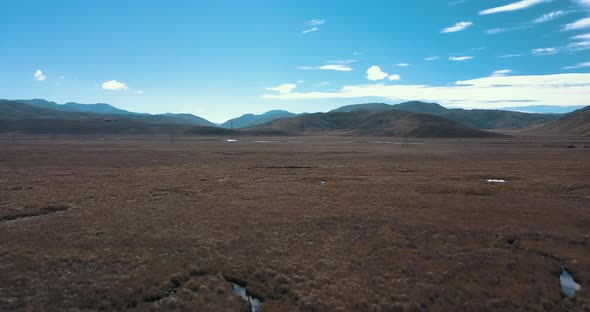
99	108
544	109
364	106
250	120
107	109
190	118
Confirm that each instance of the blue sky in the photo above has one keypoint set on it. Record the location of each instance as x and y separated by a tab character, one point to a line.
220	59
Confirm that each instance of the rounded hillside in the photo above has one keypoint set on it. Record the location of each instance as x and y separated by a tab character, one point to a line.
574	123
381	123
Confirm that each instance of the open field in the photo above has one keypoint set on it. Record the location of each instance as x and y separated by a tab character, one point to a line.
309	224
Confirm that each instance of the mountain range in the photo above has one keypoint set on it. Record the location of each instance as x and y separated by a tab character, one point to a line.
369	123
107	109
477	118
250	120
18	117
372	119
98	108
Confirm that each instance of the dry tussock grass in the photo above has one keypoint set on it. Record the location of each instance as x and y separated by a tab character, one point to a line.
159	226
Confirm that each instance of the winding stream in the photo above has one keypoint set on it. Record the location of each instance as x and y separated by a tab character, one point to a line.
241	291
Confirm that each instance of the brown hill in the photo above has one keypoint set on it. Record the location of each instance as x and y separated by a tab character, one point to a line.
88	126
216	131
476	118
574	123
18	110
371	123
41	109
17	117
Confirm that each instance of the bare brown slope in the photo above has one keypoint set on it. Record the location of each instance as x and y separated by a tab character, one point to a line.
574	123
383	123
88	126
216	131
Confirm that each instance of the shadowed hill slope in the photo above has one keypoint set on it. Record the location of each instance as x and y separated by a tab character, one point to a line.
18	110
17	117
250	120
107	109
99	108
477	118
370	123
216	131
184	118
366	106
88	126
574	123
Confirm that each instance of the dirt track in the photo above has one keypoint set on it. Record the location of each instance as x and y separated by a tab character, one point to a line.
146	224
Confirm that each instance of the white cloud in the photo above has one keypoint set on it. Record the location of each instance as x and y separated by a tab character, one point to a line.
402	65
62	77
114	85
394	77
544	51
284	88
495	31
460	58
523	4
335	67
39	75
583	2
300	81
578	46
343	61
457	27
548	17
307	31
456	2
582	37
315	22
487	92
570	48
356	53
312	26
139	92
431	58
509	55
580	65
579	24
375	73
501	73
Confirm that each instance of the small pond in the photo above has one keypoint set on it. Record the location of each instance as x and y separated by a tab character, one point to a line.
569	286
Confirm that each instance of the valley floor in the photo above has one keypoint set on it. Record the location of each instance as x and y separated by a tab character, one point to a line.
309	224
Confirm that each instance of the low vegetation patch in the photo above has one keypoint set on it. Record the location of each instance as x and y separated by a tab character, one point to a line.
196	290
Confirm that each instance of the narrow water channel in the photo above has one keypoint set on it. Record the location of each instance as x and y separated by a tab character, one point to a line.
241	291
